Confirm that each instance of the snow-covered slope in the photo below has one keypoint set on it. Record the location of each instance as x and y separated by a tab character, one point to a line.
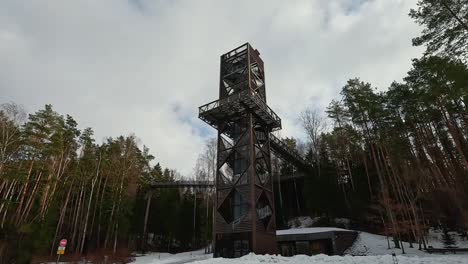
371	245
368	244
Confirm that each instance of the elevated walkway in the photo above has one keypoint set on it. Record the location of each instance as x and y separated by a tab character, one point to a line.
210	184
183	184
280	148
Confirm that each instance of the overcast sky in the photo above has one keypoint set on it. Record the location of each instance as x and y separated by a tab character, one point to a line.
144	67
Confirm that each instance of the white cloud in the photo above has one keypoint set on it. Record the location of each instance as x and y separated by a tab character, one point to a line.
145	66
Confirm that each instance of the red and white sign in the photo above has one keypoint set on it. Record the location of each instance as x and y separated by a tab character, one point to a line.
63	243
61	248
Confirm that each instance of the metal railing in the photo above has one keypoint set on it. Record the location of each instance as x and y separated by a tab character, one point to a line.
235	52
259	101
237	97
214	104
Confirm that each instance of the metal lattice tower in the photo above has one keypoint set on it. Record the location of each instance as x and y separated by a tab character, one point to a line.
244	203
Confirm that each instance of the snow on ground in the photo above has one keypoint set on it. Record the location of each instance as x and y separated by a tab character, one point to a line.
167	258
317	259
324	259
368	248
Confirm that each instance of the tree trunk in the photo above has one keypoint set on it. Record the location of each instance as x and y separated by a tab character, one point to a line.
148	206
93	183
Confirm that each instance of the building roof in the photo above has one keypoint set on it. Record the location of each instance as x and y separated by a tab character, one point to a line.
309	230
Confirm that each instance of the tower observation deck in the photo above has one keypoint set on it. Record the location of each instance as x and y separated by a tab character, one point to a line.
244	204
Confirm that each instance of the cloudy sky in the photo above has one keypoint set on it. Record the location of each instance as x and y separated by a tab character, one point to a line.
144	66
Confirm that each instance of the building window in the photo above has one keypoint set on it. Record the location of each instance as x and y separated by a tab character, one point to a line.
303	247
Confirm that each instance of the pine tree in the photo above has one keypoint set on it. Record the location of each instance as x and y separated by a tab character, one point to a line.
445	26
448	240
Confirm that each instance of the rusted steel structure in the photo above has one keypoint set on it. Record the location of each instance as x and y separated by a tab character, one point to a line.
245	213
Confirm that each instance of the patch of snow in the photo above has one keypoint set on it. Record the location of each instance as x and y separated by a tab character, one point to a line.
342	222
302	222
307	221
308	230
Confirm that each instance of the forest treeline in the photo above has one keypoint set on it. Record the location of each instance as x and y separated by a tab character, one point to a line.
395	160
57	182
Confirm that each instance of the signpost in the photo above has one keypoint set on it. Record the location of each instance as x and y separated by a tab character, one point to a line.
61	249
